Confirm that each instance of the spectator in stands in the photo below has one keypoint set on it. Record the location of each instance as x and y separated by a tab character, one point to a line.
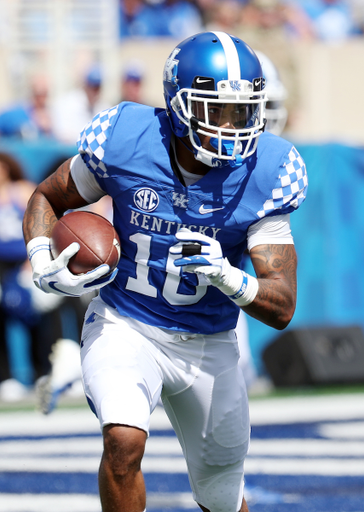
178	18
224	15
31	119
357	11
20	300
273	21
72	111
132	80
163	18
276	18
134	19
331	20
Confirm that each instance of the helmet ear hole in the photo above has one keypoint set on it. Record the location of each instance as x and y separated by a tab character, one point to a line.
175	103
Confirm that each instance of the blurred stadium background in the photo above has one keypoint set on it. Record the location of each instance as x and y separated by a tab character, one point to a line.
61	38
307	447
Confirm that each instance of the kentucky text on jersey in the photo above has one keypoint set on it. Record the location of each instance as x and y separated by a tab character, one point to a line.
168	227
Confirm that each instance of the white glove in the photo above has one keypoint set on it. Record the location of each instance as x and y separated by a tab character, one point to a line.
209	261
239	286
53	276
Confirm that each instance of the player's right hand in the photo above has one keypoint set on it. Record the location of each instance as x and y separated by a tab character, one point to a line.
53	276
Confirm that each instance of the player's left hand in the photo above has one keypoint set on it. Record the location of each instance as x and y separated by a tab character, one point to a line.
208	262
240	287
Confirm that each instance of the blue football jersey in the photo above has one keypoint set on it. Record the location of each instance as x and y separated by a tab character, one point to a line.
127	148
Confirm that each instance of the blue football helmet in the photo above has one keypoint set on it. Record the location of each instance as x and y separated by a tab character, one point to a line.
214	86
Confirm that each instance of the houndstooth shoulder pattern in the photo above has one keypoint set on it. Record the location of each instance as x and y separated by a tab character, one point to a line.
291	186
92	140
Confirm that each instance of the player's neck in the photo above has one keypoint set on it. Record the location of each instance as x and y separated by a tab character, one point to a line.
187	159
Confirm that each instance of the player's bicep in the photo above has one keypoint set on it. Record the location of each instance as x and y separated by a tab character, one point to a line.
60	190
85	180
275	261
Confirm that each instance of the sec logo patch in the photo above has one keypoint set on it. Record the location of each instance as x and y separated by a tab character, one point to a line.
146	199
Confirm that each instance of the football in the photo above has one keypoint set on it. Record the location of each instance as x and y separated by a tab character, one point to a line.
99	242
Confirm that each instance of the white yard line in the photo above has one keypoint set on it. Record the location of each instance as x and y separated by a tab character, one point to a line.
84	503
262	412
63	422
49	502
169	446
273	465
307	408
292	466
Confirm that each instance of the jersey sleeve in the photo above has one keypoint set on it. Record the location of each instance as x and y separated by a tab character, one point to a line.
85	181
270	230
290	189
93	139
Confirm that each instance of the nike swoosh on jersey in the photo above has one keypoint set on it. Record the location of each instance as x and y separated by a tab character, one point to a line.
202	210
201	81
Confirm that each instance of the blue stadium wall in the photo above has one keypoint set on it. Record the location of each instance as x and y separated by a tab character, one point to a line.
328	230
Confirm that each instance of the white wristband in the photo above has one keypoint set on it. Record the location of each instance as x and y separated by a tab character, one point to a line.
239	286
248	290
39	251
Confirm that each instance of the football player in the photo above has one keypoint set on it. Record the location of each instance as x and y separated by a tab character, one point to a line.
275	111
193	185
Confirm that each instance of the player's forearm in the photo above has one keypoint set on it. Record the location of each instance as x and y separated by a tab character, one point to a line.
274	304
50	200
39	217
276	269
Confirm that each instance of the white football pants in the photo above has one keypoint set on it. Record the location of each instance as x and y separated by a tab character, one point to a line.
128	365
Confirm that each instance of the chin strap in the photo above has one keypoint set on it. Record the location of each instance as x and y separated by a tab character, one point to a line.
211	160
208	160
227	149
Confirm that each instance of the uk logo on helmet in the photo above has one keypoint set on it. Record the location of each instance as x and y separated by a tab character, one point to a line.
235	85
170	68
146	199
